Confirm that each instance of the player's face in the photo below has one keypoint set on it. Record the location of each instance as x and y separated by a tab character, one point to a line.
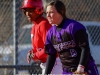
52	15
29	12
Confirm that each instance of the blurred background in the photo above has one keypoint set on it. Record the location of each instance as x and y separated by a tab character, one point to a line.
15	40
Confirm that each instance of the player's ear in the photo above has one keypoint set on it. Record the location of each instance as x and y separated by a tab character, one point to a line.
24	11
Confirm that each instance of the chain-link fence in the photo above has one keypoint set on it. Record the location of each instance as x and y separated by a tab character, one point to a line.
15	26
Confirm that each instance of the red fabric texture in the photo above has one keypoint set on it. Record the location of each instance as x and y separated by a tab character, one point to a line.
39	30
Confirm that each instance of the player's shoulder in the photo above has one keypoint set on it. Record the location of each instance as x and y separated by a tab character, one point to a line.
45	24
71	21
75	24
50	31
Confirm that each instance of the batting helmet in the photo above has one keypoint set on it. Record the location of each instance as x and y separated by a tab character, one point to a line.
37	4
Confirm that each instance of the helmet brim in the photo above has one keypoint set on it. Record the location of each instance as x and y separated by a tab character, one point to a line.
25	8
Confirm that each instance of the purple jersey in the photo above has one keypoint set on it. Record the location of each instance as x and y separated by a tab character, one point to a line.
62	39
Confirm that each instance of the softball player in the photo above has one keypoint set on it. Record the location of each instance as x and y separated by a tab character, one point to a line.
69	39
33	9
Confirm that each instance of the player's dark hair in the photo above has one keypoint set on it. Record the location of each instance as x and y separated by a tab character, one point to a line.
60	7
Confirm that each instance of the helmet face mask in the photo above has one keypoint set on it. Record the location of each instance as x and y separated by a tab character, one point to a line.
37	4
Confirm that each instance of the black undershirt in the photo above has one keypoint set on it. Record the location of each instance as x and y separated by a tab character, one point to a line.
59	27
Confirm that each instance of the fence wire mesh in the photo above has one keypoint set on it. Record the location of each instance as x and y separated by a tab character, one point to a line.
84	11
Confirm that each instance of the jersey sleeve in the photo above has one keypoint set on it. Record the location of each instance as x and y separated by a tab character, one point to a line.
80	35
49	49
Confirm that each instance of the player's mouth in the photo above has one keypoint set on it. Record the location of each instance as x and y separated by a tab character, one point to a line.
49	20
29	18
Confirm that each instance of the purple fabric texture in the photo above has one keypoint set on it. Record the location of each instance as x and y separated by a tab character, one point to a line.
91	69
69	26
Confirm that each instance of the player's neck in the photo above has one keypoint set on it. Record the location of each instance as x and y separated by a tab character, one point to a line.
59	21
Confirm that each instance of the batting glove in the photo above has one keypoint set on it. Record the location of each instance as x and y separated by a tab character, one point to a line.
30	56
80	68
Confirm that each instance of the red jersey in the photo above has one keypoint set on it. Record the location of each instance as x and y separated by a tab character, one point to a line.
38	36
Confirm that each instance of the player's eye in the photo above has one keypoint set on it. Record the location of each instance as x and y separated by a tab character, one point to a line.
29	10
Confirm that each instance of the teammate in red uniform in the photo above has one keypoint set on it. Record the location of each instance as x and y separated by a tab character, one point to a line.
33	9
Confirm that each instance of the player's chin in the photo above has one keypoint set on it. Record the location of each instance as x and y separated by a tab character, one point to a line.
30	19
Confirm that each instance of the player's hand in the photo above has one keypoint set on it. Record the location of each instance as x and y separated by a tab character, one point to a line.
79	73
30	56
80	70
37	61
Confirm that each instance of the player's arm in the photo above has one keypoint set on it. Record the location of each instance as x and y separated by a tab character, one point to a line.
49	49
44	27
50	63
81	38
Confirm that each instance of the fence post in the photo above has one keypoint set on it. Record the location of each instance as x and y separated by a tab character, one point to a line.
16	23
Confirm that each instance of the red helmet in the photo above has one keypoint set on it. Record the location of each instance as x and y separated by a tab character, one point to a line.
32	4
38	4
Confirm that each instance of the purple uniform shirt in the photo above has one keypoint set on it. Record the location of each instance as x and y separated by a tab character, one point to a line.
62	39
